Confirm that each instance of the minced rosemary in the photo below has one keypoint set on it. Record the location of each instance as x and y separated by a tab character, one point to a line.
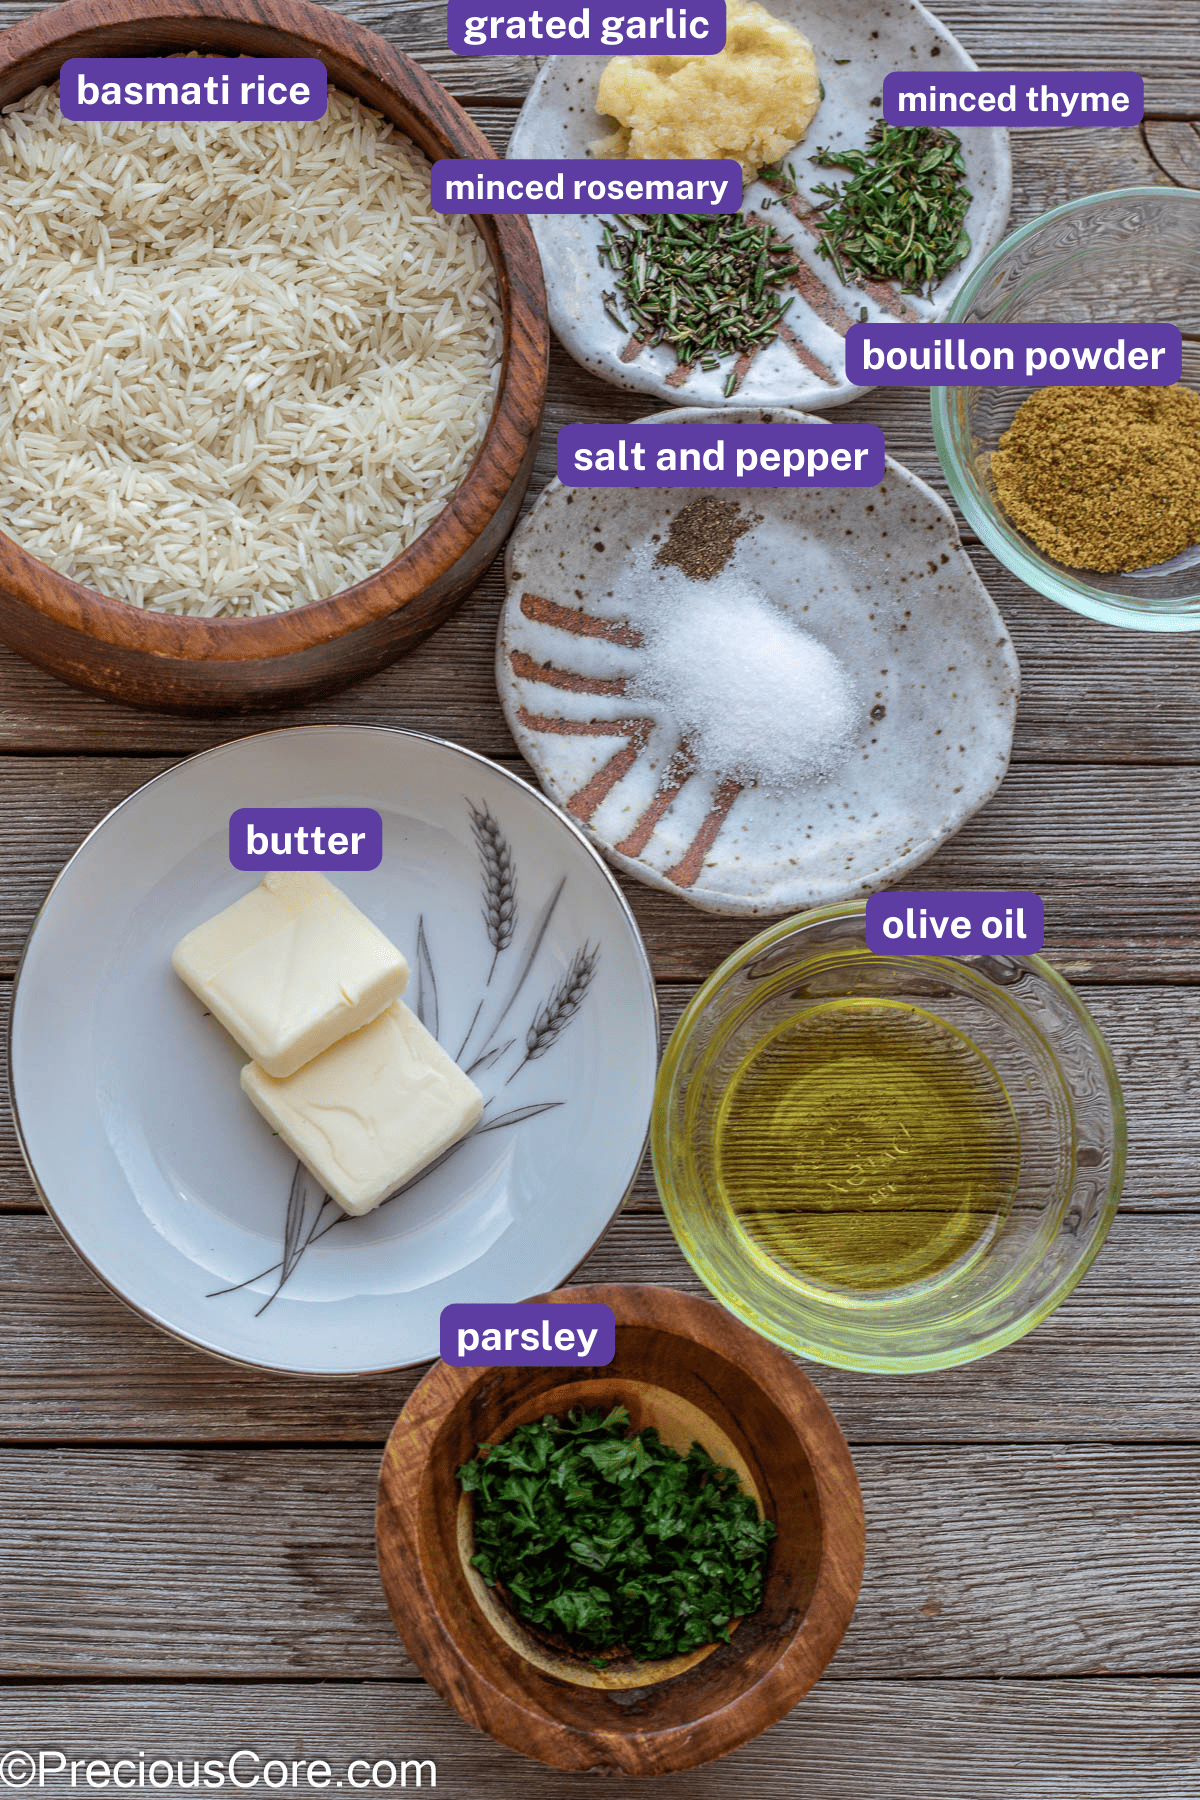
709	288
900	217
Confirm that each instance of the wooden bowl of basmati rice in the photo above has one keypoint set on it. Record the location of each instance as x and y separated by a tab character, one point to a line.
265	418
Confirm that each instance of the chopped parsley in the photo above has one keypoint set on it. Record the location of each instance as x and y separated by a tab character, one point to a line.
613	1540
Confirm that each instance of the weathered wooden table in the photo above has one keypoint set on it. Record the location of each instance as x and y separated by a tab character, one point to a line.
188	1557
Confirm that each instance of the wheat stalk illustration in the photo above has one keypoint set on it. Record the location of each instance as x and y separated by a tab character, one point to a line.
552	1019
499	894
499	880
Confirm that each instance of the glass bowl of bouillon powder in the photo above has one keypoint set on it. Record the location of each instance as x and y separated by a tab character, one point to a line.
1090	494
887	1162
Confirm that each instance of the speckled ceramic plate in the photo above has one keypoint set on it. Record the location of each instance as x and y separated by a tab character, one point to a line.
876	574
525	964
856	44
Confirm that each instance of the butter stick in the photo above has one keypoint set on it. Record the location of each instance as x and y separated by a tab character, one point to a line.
290	968
372	1111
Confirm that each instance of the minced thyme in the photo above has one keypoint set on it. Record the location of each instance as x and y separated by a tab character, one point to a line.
1104	478
900	217
709	288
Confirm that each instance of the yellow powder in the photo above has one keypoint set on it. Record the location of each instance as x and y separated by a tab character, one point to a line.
1104	478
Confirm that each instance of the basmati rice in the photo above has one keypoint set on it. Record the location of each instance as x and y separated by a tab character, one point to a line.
241	366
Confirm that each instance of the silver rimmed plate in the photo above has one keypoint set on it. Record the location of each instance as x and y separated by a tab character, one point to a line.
855	45
526	964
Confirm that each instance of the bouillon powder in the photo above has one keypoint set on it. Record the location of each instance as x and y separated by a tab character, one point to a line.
1104	478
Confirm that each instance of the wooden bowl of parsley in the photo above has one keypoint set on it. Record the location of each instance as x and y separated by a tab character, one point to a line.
646	1564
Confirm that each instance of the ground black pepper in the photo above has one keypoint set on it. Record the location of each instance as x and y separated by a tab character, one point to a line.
700	539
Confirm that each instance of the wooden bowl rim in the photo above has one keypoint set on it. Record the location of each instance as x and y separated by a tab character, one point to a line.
516	414
815	1637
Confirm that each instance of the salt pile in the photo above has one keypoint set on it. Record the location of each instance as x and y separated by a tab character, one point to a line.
757	697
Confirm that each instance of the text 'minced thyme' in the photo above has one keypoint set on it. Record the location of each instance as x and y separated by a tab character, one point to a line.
709	288
900	217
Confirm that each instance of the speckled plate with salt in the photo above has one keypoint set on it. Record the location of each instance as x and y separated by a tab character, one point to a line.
856	44
874	578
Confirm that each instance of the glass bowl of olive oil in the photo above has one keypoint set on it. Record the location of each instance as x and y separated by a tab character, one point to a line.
887	1162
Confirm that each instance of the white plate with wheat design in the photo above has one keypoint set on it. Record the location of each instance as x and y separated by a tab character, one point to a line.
526	964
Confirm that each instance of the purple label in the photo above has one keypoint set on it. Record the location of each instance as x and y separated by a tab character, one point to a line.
971	924
527	1336
586	185
696	29
264	838
1014	355
1028	97
733	455
189	89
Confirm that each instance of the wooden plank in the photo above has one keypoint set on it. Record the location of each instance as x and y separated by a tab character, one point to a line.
1099	1739
982	1562
1089	693
1154	1037
1153	1034
999	33
16	1188
1112	850
1175	146
1077	1557
1119	1360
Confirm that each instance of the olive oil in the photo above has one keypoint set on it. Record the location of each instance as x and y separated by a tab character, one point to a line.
867	1145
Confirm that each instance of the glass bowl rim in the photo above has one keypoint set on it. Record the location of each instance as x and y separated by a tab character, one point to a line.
1011	550
803	1344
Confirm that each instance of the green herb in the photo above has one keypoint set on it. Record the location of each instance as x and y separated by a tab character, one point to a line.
708	288
613	1539
900	217
783	181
